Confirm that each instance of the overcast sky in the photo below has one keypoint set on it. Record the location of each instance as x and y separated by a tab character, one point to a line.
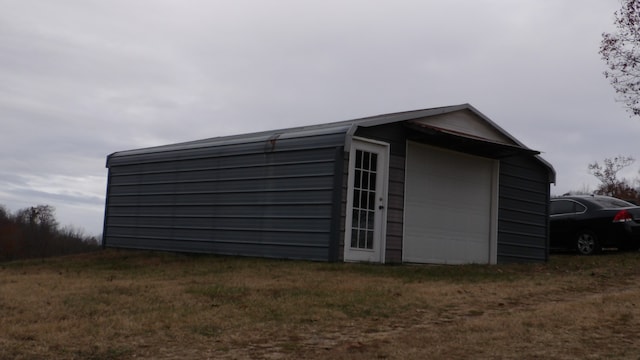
80	79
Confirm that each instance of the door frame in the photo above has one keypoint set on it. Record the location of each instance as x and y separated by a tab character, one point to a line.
378	253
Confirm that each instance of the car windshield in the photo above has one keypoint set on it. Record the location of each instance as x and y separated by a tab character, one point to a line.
609	202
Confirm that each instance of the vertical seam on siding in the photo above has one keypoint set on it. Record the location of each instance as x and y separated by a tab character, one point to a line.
336	208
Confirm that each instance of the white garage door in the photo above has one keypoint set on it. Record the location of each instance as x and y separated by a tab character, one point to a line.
450	207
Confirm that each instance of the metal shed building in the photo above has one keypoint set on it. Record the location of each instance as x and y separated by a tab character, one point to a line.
442	185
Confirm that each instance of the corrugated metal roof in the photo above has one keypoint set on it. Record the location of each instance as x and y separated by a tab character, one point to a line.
346	127
302	131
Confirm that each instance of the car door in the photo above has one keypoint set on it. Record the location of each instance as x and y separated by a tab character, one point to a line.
564	218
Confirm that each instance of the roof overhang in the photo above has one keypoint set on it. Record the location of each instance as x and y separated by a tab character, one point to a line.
463	142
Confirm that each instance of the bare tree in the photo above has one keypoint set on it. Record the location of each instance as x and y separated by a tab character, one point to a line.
621	51
38	216
607	173
39	223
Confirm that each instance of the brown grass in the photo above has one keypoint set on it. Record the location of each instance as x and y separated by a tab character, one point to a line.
143	305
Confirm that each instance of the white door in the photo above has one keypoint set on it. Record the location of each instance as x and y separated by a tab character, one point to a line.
366	201
450	207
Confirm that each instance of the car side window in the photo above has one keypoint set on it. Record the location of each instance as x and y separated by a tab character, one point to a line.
564	207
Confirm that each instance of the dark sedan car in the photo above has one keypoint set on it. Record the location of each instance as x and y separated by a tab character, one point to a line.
589	223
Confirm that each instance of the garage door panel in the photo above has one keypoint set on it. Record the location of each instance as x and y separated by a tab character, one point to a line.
448	252
447	206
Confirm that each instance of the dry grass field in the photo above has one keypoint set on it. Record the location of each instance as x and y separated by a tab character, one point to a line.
145	305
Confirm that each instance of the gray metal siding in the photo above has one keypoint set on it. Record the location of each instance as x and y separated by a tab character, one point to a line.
343	204
395	209
270	199
337	223
523	211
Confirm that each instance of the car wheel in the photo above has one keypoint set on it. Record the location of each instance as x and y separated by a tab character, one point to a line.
587	242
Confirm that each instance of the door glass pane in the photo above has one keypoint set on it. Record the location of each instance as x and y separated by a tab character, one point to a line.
369	242
370	217
365	180
356	218
372	200
354	238
362	224
364	204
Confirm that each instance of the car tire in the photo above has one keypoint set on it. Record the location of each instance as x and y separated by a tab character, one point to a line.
587	243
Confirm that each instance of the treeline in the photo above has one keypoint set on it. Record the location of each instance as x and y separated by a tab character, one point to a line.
610	183
33	232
